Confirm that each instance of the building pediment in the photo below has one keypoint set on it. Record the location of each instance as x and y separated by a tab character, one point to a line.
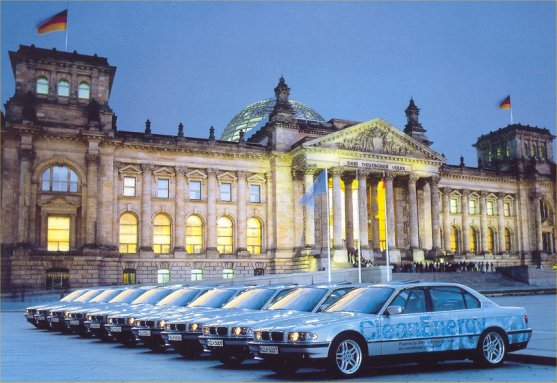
375	136
59	205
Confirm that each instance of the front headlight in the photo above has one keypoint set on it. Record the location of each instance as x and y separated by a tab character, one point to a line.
89	317
238	331
194	327
137	323
161	323
301	336
257	335
67	314
109	320
130	321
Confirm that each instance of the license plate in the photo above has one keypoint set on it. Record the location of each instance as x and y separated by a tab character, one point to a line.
215	342
40	317
95	325
174	336
29	316
55	319
144	333
74	322
268	350
116	329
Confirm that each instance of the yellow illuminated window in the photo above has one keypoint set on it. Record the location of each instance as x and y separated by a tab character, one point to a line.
507	209
507	240
127	242
58	235
224	235
490	239
161	234
194	234
57	278
454	239
254	236
128	277
473	240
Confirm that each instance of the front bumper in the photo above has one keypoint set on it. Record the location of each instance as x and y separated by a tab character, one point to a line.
147	334
278	350
216	344
57	323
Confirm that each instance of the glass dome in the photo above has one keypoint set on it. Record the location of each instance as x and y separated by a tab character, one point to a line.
257	114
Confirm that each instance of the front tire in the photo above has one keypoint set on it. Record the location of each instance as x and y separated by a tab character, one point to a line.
492	349
346	357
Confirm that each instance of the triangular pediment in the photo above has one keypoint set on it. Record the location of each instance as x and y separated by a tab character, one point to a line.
196	174
59	205
227	177
163	172
375	136
129	169
256	178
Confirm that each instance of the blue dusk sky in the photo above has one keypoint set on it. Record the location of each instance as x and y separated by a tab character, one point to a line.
202	62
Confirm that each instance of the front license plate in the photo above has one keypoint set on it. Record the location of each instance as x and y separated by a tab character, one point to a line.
40	317
144	333
268	350
74	322
55	319
215	342
95	325
116	329
174	336
29	316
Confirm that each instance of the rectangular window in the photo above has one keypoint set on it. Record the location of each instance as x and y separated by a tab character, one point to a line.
472	207
129	186
226	192
227	273
196	274
163	186
453	205
507	209
489	208
255	193
195	190
58	234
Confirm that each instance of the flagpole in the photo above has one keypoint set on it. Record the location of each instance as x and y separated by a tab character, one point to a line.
67	24
386	231
359	240
512	115
328	227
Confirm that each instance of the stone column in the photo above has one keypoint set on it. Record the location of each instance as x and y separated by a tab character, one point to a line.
500	223
92	160
211	210
362	211
436	233
25	158
348	210
390	213
180	235
146	219
465	221
337	210
413	204
242	233
425	219
536	198
483	222
375	238
446	219
309	209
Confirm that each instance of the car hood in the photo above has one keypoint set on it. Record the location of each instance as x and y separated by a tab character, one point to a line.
257	318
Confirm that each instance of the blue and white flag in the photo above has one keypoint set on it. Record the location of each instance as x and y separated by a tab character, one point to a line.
318	187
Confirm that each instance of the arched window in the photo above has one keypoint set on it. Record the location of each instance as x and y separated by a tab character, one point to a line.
128	234
163	276
128	277
64	88
42	85
58	233
473	240
57	278
455	240
194	235
254	236
490	240
224	235
59	178
507	233
84	90
161	234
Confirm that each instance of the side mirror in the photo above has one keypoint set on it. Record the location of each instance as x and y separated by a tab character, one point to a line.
393	310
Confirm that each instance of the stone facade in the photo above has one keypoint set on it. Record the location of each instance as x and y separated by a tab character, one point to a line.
64	158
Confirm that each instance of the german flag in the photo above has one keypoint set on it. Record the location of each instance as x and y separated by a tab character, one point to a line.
506	103
58	22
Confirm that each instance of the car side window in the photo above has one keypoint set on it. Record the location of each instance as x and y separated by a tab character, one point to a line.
471	301
411	300
447	298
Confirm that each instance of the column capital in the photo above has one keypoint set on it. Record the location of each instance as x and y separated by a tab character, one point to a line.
465	192
211	172
92	159
297	174
412	179
483	194
118	165
447	191
389	176
435	180
536	195
148	167
309	169
336	171
348	178
242	174
181	170
501	195
363	174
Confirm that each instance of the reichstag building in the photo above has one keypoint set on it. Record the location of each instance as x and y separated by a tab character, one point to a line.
86	203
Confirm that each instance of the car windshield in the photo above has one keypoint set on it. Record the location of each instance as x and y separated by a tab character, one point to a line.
127	296
153	296
301	299
368	300
88	296
73	295
252	299
105	296
179	298
214	298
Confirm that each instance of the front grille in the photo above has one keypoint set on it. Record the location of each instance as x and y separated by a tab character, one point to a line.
172	327
78	315
181	327
120	320
265	335
98	318
277	336
222	330
150	323
43	312
32	311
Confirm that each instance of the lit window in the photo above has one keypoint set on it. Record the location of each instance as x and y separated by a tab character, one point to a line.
59	178
454	239
258	271
490	240
196	274
63	88
227	273
84	90
161	234
255	193
226	192
127	242
473	240
195	190
57	278
58	234
507	209
507	240
498	152
163	185
254	236
128	277
163	276
224	235
472	207
129	186
453	205
42	85
507	151
194	234
489	208
489	155
532	150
